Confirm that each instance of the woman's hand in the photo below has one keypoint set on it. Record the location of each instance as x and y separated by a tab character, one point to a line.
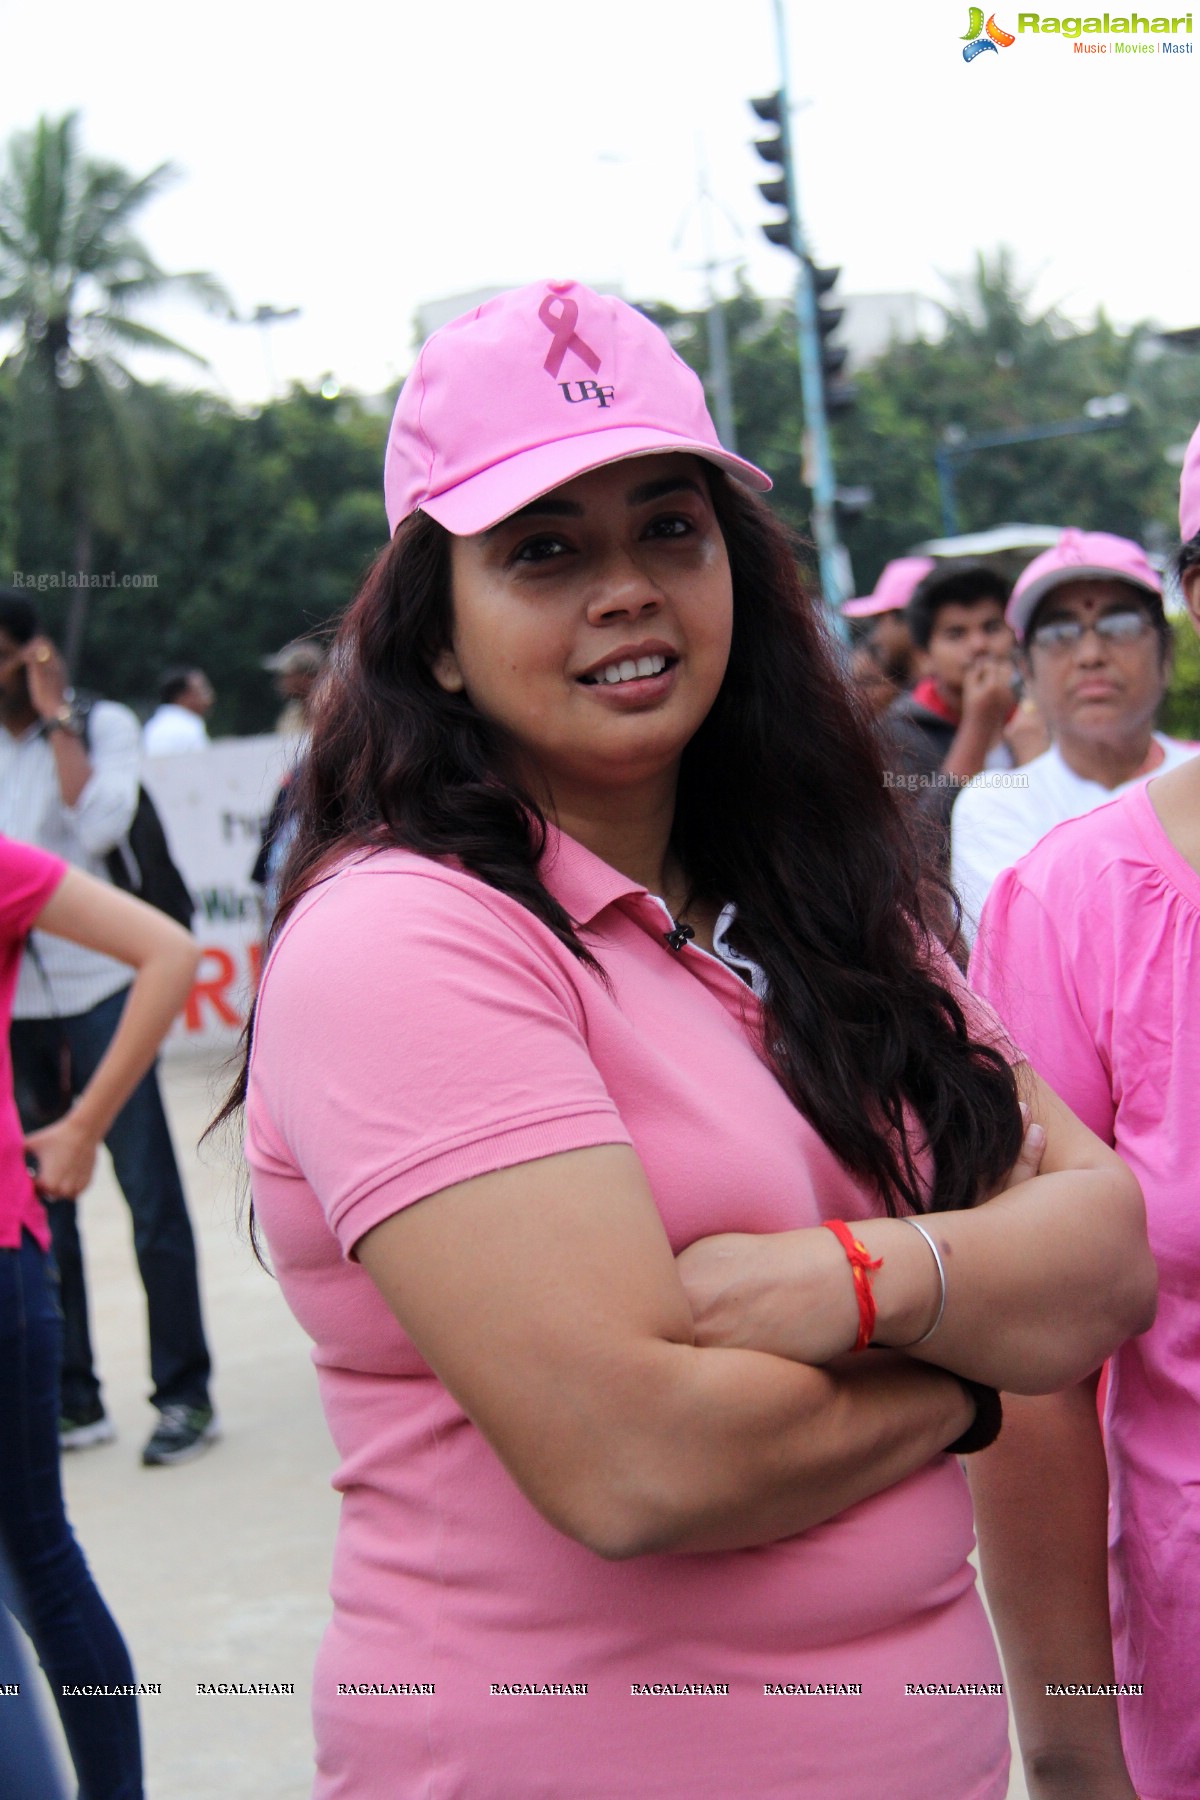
789	1293
66	1157
1042	1282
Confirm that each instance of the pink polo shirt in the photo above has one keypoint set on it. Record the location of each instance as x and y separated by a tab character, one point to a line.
28	877
1090	951
416	1028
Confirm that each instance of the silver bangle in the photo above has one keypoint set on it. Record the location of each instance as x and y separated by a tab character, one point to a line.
941	1269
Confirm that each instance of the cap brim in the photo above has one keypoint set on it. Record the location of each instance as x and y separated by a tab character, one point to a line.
869	607
483	500
1022	607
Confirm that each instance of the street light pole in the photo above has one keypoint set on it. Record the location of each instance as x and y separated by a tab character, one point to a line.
818	459
1105	414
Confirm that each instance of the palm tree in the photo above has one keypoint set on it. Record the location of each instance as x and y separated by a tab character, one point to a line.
71	273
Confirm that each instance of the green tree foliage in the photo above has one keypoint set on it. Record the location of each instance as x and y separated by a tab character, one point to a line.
1000	367
1181	714
72	272
255	528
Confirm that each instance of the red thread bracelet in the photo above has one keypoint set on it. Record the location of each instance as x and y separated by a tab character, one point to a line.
861	1267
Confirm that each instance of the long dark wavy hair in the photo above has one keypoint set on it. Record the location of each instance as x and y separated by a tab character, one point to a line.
782	809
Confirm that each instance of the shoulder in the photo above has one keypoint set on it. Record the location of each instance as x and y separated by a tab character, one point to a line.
1083	886
29	866
1175	751
1008	800
369	883
112	726
28	877
1098	847
393	915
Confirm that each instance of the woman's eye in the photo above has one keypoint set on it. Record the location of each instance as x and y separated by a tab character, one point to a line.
538	549
673	526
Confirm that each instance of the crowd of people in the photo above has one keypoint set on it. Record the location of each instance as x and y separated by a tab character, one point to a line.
664	1093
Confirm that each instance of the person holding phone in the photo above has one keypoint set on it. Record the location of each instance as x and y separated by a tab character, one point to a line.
600	1070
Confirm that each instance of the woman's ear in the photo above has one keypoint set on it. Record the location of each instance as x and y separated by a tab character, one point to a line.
447	673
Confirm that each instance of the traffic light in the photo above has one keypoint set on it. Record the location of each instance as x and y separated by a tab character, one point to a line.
839	395
774	150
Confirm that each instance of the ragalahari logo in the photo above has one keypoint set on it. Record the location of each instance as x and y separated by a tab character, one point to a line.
976	43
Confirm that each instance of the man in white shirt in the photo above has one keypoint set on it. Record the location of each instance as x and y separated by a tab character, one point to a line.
185	699
1089	615
71	787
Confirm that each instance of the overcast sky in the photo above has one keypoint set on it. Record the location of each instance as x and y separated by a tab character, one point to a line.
357	160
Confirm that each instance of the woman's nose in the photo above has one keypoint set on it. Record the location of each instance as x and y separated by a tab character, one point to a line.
623	588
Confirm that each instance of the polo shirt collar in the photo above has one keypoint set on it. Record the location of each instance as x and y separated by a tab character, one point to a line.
579	881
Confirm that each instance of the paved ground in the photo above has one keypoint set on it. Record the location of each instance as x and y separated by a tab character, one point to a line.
216	1570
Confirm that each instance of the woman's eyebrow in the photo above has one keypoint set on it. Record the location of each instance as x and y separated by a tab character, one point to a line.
547	506
657	490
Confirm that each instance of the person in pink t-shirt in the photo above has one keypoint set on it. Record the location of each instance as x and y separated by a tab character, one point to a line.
77	1642
599	987
1090	950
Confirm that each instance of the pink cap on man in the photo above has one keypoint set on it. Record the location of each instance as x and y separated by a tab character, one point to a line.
531	389
1079	556
1189	491
897	583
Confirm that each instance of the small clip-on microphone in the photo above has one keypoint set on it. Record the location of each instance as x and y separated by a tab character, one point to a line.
677	938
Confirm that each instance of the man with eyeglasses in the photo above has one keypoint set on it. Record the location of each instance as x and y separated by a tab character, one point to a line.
1089	616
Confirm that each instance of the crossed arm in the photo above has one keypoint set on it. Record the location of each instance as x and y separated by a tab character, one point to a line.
638	1414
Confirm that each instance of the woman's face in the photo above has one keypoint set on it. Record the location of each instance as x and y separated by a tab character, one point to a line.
595	624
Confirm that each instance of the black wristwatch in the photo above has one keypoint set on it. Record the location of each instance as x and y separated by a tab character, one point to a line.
984	1428
65	719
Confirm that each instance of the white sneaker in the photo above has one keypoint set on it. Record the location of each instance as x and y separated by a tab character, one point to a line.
75	1434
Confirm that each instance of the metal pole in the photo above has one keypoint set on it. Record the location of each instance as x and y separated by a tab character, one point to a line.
947	456
944	462
818	471
720	382
718	372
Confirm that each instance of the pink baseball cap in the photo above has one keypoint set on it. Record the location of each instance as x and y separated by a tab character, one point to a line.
1189	491
1078	556
531	389
897	583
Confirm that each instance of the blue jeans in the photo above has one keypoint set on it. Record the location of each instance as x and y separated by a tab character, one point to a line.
139	1142
55	1598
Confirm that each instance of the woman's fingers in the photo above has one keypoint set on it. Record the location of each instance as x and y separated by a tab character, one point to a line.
1029	1159
62	1158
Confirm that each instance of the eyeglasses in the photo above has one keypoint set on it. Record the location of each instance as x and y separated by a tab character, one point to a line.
1057	636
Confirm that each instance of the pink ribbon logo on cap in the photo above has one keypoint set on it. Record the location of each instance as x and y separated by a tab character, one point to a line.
562	323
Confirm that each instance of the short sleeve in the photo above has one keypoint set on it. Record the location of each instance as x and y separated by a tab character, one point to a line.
1021	965
28	877
416	1029
104	810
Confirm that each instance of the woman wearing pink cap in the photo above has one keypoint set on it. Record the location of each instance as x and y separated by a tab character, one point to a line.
587	1010
1090	949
